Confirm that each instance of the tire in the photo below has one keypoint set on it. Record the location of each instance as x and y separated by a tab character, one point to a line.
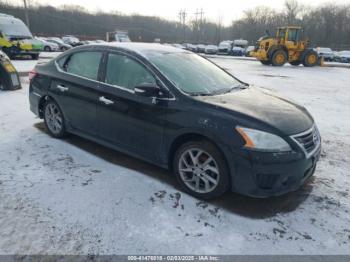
279	58
54	119
35	56
295	63
6	51
11	52
265	62
2	86
310	59
211	177
63	48
47	49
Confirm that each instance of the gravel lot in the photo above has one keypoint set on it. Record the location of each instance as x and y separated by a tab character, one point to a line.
73	196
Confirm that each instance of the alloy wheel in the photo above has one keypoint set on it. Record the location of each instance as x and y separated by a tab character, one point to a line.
54	118
198	170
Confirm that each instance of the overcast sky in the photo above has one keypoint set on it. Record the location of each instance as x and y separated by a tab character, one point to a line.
228	9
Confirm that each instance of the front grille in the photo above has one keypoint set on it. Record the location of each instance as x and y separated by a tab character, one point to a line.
308	140
266	181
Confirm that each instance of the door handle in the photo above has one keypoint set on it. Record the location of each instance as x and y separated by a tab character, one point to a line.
62	88
105	100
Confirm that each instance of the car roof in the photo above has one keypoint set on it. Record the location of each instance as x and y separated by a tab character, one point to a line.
142	48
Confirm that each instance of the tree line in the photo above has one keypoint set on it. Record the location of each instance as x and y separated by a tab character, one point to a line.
325	25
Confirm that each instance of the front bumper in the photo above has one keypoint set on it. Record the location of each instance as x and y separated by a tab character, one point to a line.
223	51
211	51
272	174
260	54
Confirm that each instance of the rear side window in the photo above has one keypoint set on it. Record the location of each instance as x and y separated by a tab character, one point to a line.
85	64
125	72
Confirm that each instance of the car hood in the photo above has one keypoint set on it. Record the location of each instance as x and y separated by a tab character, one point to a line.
265	106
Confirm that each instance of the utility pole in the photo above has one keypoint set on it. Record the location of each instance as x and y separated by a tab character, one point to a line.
202	24
26	12
219	29
196	24
199	25
182	17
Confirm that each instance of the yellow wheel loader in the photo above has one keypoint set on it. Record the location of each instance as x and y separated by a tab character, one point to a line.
286	46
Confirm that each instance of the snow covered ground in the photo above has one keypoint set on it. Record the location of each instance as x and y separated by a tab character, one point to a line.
73	196
25	66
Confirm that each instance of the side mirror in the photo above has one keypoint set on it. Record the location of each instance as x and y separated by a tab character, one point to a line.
147	90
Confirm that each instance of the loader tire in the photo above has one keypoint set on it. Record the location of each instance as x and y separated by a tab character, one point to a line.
279	58
265	62
310	59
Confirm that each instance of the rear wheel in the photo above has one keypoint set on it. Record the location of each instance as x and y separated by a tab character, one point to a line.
11	52
54	120
35	56
47	49
279	58
201	170
310	59
2	86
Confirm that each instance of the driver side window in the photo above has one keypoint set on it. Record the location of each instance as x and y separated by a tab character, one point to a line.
282	33
126	72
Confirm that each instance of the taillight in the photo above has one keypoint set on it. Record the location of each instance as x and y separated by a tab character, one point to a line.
32	74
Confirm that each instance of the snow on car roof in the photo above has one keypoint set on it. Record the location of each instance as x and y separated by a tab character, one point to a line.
144	48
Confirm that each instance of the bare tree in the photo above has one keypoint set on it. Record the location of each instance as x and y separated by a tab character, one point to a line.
292	9
325	25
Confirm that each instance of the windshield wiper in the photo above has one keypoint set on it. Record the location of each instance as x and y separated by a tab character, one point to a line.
220	91
200	94
227	90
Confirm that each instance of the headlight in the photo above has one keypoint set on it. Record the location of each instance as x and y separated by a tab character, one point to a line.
260	140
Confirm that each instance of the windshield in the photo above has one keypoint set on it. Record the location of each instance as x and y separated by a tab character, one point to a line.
193	74
14	28
122	37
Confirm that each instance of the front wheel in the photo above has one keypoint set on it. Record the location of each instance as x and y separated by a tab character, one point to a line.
310	59
54	120
201	170
279	58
